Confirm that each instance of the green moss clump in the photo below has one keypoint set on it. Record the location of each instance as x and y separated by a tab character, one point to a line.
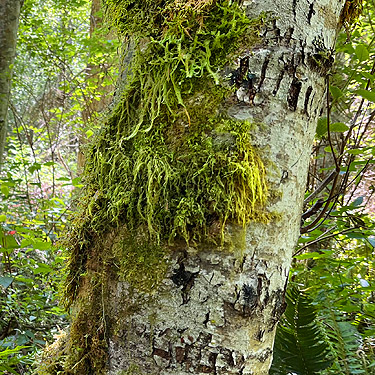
141	263
169	160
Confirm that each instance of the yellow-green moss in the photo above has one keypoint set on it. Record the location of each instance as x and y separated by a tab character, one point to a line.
141	263
132	370
169	160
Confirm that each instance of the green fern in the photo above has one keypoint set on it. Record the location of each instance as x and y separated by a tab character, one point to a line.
300	346
345	342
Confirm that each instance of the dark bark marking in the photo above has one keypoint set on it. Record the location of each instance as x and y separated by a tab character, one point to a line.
294	9
205	369
265	355
180	354
181	277
307	99
228	356
276	31
293	94
278	82
250	296
259	335
161	353
204	338
311	13
279	307
184	278
302	45
212	359
263	72
288	35
206	320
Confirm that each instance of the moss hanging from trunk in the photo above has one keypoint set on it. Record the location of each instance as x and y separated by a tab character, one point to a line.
170	161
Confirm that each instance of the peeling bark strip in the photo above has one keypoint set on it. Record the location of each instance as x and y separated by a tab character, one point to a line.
201	308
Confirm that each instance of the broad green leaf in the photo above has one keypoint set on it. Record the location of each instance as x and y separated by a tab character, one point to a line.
335	92
369	95
5	281
5	190
362	52
338	127
356	151
3	218
42	269
35	167
321	128
42	245
9	242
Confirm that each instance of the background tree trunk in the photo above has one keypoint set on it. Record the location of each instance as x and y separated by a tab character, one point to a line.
216	309
10	11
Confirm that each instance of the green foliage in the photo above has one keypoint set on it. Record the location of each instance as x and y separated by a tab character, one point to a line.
9	358
54	96
300	346
351	12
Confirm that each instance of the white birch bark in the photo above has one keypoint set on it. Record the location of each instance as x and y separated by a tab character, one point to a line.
216	312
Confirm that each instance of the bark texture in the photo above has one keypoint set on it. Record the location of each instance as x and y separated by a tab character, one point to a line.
216	310
10	13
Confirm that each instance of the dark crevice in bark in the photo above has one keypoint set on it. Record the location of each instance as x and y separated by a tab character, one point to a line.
307	99
278	82
293	94
263	72
311	13
302	45
294	9
250	296
260	335
184	278
265	355
279	307
161	353
206	319
288	35
180	354
276	30
243	261
228	356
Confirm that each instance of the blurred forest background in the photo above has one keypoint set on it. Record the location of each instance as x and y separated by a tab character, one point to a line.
63	84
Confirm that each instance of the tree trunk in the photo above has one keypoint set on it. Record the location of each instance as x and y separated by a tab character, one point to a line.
10	11
208	308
